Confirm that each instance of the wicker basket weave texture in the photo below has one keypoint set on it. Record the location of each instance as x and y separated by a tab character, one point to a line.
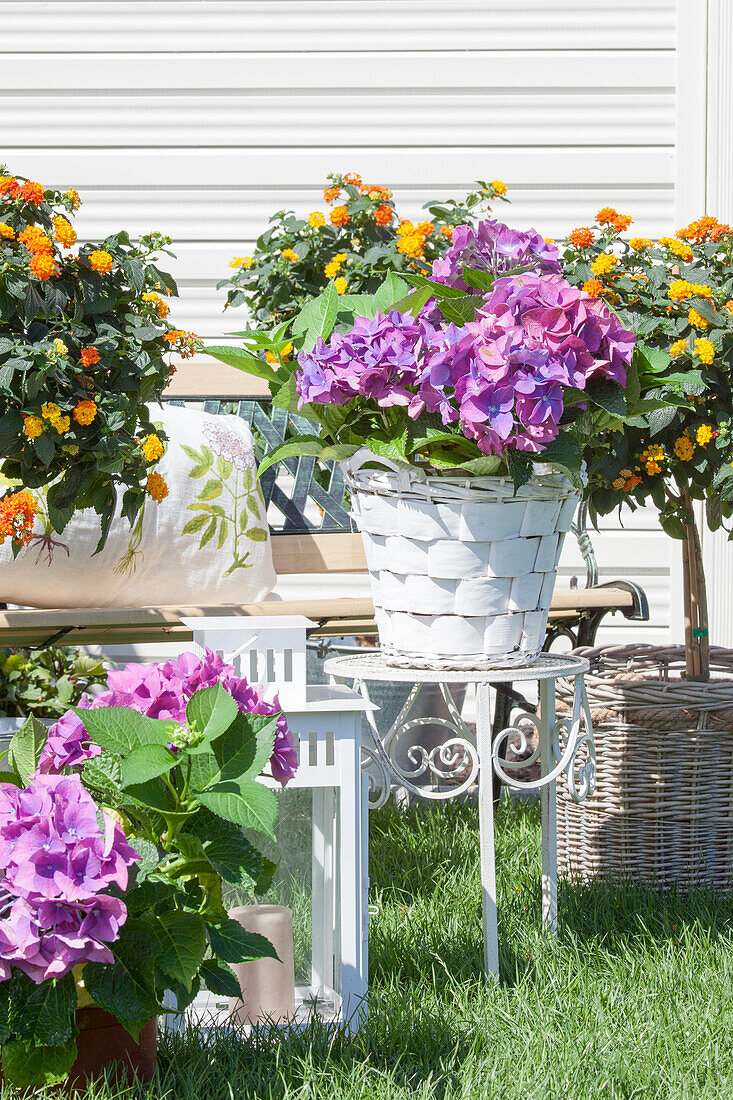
462	569
662	812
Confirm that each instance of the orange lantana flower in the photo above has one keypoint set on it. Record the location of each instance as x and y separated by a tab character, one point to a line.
582	237
35	240
85	412
101	261
42	266
156	487
383	214
89	356
18	512
339	215
9	187
606	216
330	194
32	192
65	232
594	287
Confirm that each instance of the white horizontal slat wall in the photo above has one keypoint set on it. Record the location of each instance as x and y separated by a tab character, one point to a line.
202	117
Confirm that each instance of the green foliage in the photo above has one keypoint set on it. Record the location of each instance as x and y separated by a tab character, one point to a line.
362	240
55	306
47	681
25	749
676	443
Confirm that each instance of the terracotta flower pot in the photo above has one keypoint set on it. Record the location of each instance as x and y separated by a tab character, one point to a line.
102	1043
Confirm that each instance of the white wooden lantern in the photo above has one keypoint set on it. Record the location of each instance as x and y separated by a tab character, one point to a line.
331	978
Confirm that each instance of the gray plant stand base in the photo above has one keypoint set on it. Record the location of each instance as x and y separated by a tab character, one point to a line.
564	745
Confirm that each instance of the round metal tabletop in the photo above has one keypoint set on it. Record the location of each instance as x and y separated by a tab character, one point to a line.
373	666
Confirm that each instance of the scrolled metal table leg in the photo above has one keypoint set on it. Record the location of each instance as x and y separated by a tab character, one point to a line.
548	806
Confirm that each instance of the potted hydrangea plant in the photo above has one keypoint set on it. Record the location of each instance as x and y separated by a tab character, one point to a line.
118	827
484	390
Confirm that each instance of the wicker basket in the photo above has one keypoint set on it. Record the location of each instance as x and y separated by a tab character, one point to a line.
662	812
462	569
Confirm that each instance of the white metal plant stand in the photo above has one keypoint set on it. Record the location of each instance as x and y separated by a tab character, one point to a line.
565	744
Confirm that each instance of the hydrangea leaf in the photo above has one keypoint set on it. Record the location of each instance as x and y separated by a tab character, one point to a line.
321	317
304	445
211	711
126	988
246	803
120	729
44	1014
230	853
146	762
180	944
391	291
219	979
25	747
36	1066
234	944
242	360
240	753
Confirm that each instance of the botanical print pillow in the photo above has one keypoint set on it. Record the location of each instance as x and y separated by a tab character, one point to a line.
206	542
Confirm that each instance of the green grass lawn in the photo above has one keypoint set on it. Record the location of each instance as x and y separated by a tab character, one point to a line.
634	1000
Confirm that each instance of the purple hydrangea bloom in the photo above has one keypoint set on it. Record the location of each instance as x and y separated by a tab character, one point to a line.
163	690
500	377
57	864
67	745
496	249
376	359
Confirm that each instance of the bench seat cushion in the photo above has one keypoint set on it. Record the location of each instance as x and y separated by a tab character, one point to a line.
206	542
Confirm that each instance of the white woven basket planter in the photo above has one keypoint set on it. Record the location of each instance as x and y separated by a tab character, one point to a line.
462	569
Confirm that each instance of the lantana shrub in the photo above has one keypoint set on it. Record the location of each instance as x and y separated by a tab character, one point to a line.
677	295
119	827
355	242
84	343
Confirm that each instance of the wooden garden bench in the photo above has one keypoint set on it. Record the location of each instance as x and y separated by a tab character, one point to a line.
311	534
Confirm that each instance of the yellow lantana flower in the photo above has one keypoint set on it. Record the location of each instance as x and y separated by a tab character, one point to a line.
683	448
603	264
32	426
152	447
696	319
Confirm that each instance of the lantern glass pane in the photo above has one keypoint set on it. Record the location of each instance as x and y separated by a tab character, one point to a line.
307	882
